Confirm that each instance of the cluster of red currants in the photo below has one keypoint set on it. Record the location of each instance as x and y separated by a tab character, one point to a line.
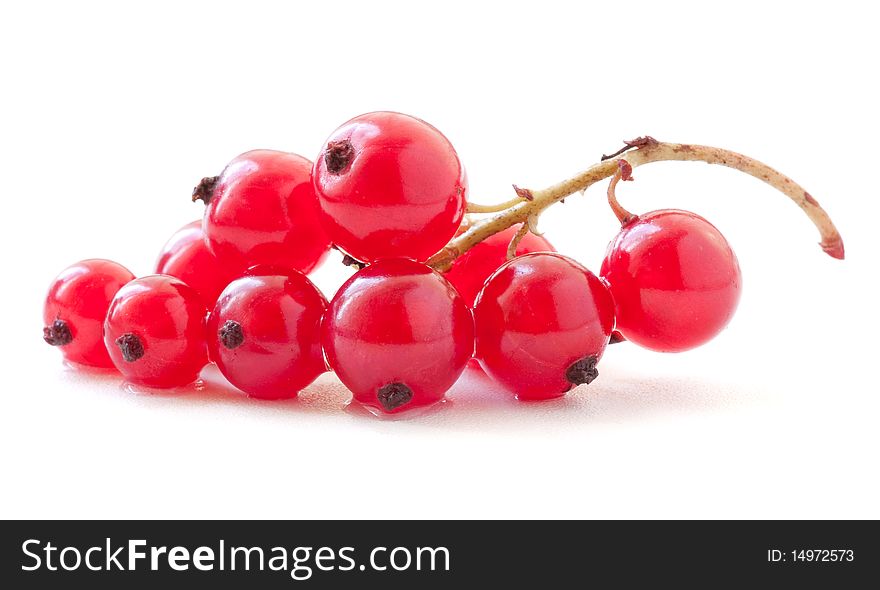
389	191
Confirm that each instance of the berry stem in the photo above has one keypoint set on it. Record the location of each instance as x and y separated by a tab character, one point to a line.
639	152
517	238
624	172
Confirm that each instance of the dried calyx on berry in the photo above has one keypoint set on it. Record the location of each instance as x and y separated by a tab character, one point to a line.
394	395
231	335
616	338
338	156
131	347
58	334
353	262
204	190
582	372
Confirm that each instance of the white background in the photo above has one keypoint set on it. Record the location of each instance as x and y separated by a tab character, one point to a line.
111	112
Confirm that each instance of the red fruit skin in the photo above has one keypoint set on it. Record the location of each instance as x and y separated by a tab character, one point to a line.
469	271
186	256
280	319
398	321
263	210
80	297
402	195
675	280
536	316
168	317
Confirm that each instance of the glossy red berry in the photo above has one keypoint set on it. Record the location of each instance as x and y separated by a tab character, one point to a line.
676	281
398	335
76	306
470	270
389	185
186	256
262	210
155	332
265	334
542	324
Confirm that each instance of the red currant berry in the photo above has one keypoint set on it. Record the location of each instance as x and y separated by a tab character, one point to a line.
262	210
675	280
542	324
265	334
155	332
389	185
186	256
398	335
470	270
76	306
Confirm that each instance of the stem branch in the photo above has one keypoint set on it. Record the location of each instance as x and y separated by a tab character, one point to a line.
645	153
476	208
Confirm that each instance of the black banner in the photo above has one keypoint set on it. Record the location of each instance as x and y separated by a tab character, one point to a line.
115	554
